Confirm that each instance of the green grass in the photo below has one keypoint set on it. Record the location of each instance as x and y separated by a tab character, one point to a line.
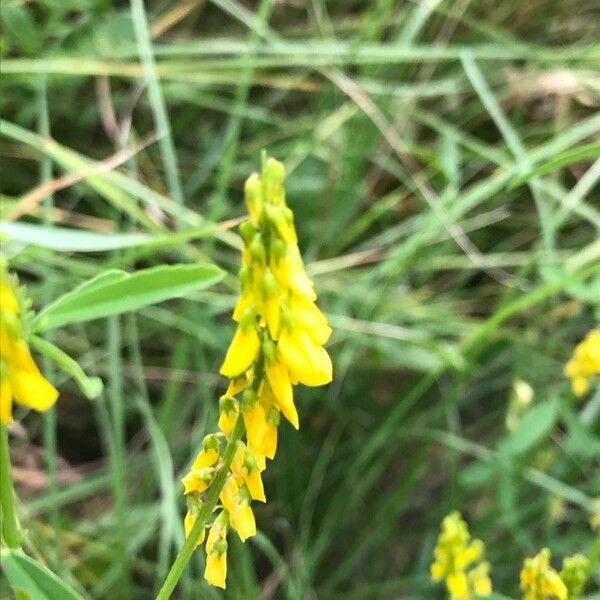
443	167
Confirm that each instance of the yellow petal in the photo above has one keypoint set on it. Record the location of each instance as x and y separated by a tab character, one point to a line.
8	300
245	301
5	401
280	384
228	495
255	421
308	363
272	315
196	480
216	569
242	352
32	390
206	458
255	486
457	586
242	520
188	525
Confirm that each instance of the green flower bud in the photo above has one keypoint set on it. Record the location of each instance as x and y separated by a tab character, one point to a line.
248	230
253	192
575	573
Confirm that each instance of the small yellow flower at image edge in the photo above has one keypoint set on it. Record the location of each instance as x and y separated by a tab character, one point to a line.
585	363
458	560
278	344
20	379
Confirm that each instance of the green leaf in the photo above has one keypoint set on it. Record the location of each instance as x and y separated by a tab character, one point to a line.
533	428
64	239
115	292
493	596
29	576
569	157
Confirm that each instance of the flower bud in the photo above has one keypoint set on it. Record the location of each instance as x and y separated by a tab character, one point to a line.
253	192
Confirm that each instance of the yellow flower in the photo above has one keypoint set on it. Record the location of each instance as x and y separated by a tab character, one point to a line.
480	581
228	413
243	349
307	362
188	524
539	581
242	520
216	552
585	363
20	379
457	559
278	344
279	381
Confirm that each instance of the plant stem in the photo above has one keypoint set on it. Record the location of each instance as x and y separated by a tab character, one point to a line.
206	510
10	524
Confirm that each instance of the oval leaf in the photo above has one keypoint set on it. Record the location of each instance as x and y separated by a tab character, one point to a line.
533	428
115	292
32	578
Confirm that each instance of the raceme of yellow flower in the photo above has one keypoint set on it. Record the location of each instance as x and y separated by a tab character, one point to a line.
539	581
585	363
459	561
20	378
278	343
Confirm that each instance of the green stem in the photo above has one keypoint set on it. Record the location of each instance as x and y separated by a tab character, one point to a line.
205	511
10	524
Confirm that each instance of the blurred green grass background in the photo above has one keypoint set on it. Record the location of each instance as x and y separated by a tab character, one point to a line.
443	166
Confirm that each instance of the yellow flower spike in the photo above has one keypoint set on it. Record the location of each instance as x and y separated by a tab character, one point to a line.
278	343
585	363
243	350
458	560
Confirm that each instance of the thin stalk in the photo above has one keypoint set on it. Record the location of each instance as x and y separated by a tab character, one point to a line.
205	511
11	532
118	435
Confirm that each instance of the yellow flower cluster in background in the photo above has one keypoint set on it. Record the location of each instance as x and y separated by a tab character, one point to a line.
458	560
539	581
278	343
585	363
20	379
